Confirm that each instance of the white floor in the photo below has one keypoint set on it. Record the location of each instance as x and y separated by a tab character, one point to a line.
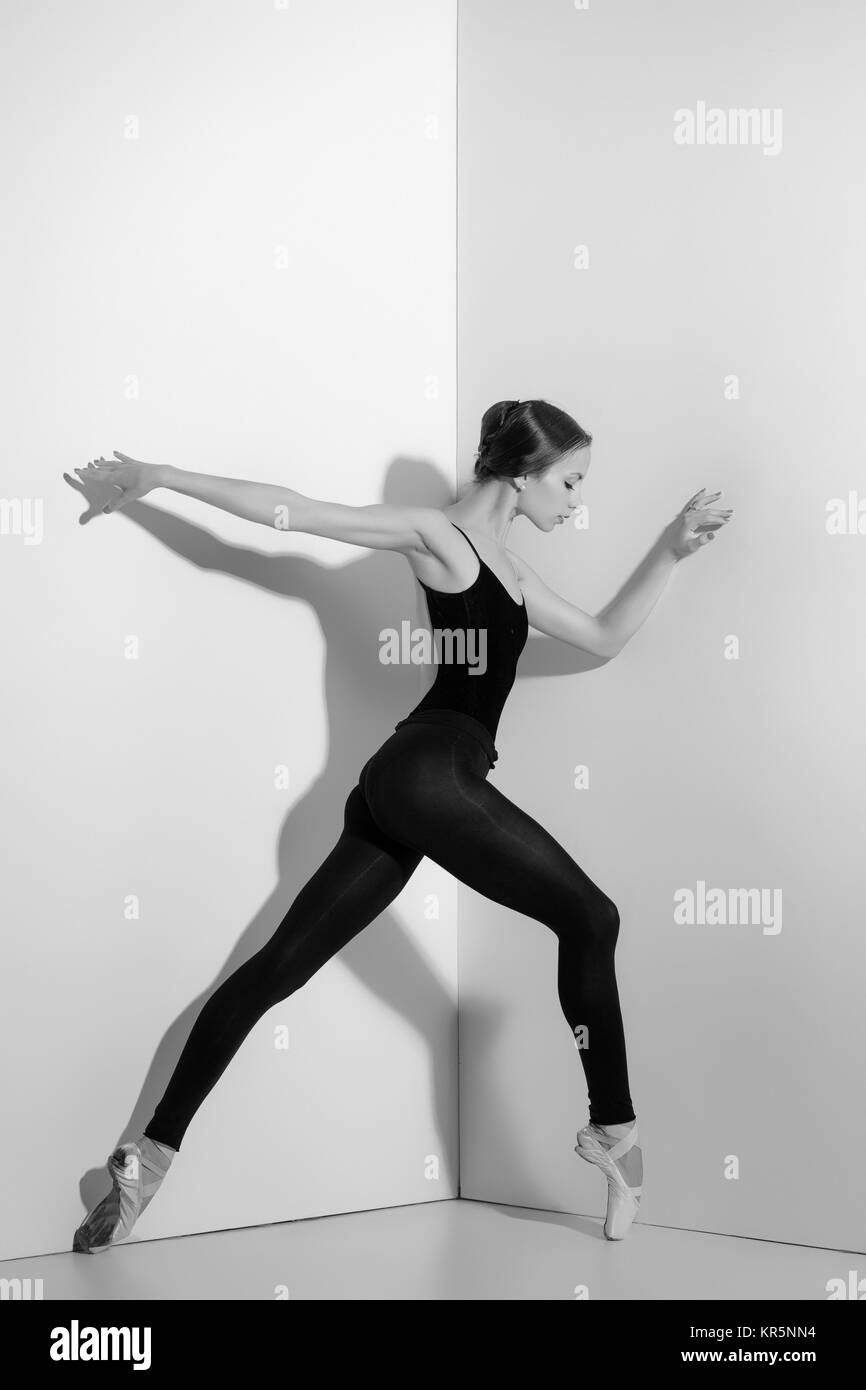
452	1250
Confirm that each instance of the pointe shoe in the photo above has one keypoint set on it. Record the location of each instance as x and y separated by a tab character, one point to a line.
135	1178
622	1201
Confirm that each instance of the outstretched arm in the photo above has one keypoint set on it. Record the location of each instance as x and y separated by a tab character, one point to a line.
605	633
379	526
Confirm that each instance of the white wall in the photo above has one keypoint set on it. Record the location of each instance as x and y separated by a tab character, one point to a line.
704	261
148	311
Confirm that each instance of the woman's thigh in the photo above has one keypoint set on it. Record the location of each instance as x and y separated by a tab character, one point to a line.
432	793
353	885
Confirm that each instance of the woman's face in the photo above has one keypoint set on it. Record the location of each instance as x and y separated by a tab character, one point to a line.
550	497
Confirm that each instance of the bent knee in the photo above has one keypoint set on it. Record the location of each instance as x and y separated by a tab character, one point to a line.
610	914
603	919
589	921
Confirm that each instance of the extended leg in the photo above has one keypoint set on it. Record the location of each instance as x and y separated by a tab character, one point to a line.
363	874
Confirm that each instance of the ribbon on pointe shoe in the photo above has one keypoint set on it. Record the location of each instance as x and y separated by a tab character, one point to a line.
622	1201
136	1171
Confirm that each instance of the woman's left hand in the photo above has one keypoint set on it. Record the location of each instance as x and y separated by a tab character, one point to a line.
695	525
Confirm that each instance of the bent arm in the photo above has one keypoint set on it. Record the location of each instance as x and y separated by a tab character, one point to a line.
604	633
379	526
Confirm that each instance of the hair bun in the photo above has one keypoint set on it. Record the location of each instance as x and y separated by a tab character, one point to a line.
482	468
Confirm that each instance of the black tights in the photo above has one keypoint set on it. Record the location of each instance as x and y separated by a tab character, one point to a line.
423	793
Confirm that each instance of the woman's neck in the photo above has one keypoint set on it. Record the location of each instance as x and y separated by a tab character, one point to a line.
488	508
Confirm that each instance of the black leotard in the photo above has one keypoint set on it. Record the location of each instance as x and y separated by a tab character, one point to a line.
500	627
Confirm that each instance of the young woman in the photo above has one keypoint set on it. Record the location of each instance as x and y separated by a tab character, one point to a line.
425	791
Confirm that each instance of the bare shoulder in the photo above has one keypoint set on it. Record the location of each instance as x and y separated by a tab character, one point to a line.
434	528
441	560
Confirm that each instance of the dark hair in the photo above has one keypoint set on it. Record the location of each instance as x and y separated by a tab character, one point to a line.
521	438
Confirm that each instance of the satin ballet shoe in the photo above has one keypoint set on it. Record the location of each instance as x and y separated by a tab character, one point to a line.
603	1150
136	1172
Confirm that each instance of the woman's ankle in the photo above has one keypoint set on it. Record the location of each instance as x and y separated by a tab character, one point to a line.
165	1150
620	1129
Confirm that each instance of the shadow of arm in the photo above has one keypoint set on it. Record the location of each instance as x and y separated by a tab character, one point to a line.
279	574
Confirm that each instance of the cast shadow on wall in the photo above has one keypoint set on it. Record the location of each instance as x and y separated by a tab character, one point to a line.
364	700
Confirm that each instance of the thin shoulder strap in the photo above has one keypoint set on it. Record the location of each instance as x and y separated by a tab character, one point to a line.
463	533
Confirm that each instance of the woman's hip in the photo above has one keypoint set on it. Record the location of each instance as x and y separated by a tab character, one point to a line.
426	752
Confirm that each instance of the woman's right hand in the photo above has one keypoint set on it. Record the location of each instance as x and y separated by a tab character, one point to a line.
133	478
695	525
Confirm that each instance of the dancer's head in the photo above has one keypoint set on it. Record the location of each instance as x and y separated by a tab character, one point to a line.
539	451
